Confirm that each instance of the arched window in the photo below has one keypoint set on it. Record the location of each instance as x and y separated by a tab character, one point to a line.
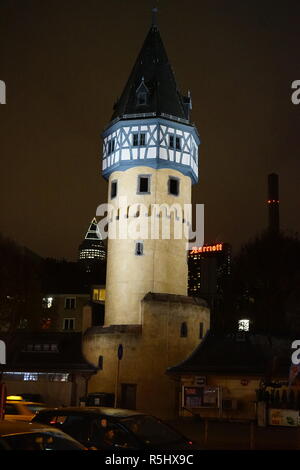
142	94
183	330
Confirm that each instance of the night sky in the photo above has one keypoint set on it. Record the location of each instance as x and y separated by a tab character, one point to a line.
66	61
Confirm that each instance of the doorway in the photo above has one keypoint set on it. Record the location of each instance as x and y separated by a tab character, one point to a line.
128	396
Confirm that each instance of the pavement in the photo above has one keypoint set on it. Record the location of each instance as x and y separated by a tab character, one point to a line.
230	435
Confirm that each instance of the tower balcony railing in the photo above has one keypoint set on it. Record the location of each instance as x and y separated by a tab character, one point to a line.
175	118
147	115
139	115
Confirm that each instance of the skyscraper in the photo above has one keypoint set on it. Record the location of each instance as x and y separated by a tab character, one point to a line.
92	250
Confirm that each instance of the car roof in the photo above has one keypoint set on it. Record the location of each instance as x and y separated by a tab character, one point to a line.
24	402
96	410
13	427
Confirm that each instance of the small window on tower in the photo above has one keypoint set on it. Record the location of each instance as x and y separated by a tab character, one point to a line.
171	141
111	146
143	184
142	139
113	189
135	140
142	98
142	93
178	143
183	330
138	139
139	248
173	186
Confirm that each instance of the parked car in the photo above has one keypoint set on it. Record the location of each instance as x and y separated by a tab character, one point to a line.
18	435
21	410
108	428
36	397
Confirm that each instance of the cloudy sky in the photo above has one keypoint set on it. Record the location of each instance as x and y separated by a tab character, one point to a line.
65	62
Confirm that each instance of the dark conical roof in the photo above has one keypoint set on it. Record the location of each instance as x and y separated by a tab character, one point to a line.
152	74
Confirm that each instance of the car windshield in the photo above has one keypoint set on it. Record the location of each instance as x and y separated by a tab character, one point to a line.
150	430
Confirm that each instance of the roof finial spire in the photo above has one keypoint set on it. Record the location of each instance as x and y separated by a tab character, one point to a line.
154	16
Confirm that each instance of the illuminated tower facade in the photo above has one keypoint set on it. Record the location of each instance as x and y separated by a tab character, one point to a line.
150	161
150	157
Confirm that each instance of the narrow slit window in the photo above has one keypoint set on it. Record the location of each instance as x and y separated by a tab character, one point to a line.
171	141
111	146
183	330
178	143
139	248
142	139
113	189
135	140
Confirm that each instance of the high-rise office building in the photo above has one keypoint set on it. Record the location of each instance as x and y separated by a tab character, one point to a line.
92	250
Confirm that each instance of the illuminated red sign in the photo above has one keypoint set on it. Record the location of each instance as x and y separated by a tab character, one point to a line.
207	248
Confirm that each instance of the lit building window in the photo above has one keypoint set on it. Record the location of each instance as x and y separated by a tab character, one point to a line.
30	376
99	294
34	376
95	294
244	324
47	302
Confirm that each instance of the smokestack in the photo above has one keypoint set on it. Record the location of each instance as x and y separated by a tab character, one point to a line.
273	203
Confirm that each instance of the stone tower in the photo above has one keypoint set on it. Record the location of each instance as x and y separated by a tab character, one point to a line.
150	160
150	156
